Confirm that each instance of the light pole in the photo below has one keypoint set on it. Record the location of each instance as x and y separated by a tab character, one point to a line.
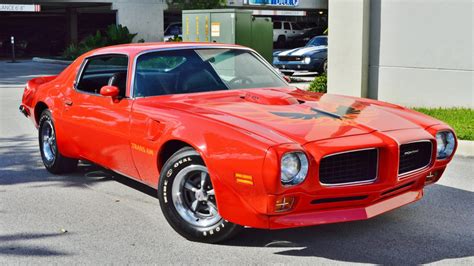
12	41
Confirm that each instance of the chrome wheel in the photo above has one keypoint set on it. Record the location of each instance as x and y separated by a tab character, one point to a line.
193	196
48	138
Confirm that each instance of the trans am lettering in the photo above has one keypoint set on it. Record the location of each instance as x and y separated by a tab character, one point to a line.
141	148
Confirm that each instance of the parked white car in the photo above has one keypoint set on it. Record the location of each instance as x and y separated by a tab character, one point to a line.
284	31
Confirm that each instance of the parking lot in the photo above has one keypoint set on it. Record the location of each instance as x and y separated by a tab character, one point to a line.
93	216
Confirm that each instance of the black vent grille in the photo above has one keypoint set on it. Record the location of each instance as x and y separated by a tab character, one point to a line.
290	58
414	156
349	167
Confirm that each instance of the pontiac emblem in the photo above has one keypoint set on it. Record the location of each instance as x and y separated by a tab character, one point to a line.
410	152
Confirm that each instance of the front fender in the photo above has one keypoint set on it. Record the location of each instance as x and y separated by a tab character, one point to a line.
228	152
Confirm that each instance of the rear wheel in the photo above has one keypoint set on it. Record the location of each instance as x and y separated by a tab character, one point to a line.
52	158
188	201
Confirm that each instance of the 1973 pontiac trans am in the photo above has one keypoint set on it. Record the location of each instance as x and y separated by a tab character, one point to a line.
228	143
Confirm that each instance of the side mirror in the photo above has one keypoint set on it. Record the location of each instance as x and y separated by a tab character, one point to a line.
109	91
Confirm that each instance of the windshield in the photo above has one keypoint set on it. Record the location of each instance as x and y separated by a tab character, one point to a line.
318	41
173	29
201	70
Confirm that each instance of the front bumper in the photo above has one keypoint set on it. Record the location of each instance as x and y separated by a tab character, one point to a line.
315	203
346	214
294	67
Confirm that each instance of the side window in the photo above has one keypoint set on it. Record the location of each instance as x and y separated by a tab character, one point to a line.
277	25
287	26
104	70
157	73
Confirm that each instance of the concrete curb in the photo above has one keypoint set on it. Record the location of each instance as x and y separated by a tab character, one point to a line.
51	61
465	148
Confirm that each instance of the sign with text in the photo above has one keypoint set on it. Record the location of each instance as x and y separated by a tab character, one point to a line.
215	29
19	8
273	2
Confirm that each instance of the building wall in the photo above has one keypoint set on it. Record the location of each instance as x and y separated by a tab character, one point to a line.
143	17
420	51
348	41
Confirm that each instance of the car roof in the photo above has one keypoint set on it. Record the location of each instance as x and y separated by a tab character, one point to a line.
135	48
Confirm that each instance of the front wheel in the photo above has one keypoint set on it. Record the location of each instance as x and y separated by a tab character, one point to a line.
52	159
188	201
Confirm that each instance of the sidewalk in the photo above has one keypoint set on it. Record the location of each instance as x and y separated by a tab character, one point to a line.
465	148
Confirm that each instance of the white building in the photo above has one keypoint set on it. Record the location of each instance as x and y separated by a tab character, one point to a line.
409	52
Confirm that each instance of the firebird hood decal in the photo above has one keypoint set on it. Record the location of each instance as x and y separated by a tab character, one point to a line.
317	113
310	117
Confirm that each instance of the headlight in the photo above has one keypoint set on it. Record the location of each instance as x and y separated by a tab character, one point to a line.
445	144
294	168
307	60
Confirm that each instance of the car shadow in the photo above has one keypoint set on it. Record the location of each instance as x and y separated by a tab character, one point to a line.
10	245
20	157
437	227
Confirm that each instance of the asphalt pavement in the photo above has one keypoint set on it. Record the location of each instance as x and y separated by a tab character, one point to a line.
96	217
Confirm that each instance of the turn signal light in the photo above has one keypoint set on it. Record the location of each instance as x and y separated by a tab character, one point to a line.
284	204
432	177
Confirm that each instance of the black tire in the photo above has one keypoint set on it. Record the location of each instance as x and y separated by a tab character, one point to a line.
174	174
281	41
54	162
323	69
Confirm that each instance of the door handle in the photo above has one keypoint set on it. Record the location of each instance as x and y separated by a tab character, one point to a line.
67	102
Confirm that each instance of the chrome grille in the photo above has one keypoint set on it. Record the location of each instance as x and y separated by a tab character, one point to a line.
349	167
414	156
290	58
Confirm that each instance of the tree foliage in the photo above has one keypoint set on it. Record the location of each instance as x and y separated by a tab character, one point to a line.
114	34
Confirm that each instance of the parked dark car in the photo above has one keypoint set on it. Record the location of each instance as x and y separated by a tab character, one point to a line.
304	60
302	40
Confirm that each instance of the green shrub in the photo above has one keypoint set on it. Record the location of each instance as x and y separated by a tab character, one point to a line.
319	84
93	41
118	34
175	38
114	34
73	51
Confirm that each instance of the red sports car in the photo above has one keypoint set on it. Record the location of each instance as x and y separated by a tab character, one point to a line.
228	143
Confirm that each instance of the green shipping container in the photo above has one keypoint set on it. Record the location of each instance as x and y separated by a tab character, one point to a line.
231	26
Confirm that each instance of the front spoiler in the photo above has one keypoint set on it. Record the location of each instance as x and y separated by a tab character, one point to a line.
344	215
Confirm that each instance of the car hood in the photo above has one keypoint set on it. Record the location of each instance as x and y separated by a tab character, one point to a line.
295	114
304	51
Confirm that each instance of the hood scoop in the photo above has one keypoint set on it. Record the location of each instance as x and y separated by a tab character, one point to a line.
270	97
